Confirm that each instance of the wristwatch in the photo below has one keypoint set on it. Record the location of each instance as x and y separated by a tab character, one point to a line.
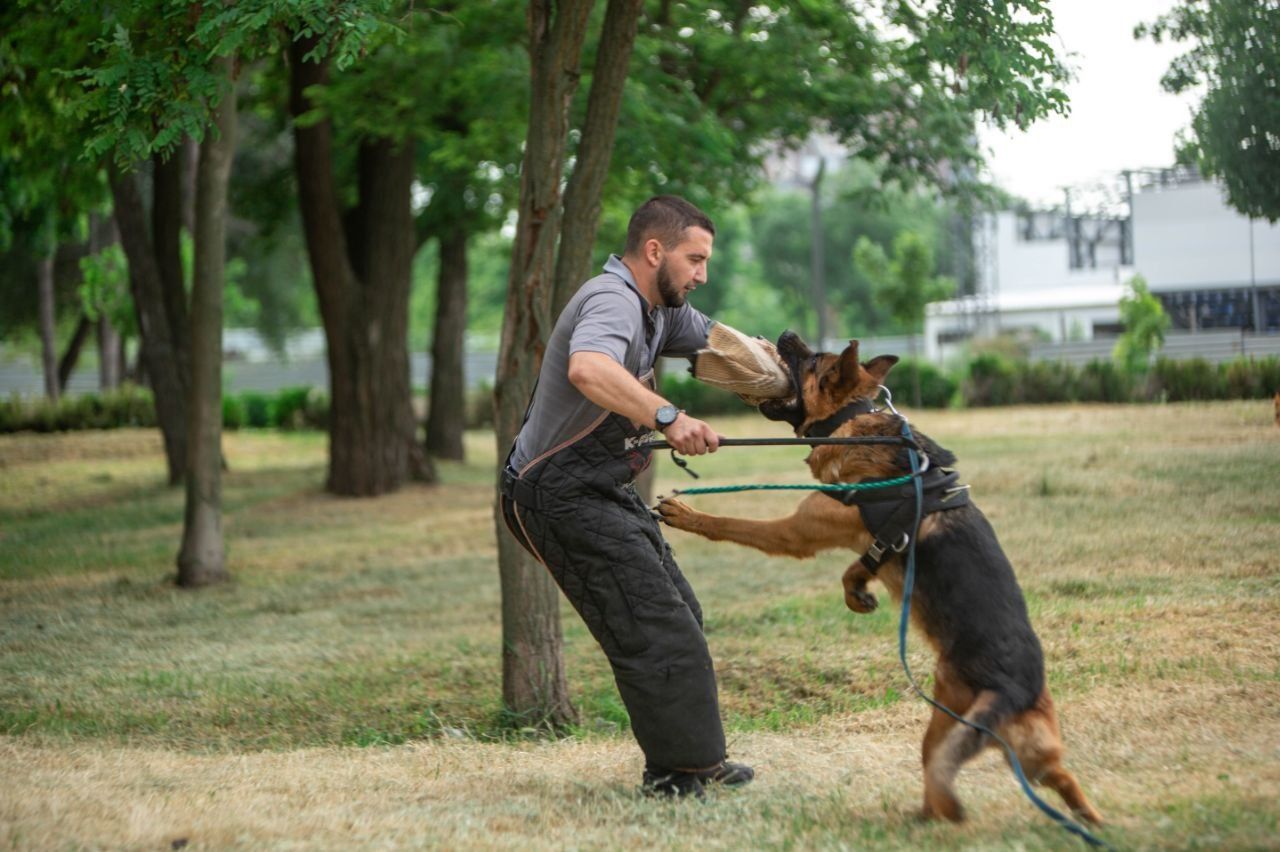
665	416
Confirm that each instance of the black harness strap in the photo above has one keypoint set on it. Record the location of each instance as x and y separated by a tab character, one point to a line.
889	514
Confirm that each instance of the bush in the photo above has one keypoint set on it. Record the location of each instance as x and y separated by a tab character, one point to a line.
257	409
1045	381
479	407
937	387
127	405
989	380
289	408
233	413
1103	381
1179	381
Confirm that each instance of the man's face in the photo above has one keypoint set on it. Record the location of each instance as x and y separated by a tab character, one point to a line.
684	267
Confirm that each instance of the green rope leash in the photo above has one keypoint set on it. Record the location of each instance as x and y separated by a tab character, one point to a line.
839	486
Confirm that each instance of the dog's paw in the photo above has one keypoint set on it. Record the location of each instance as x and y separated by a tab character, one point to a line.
678	514
860	600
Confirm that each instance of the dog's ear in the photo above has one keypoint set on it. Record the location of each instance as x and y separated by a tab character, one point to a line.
880	366
843	377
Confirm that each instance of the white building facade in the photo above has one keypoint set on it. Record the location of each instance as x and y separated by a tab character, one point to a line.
1059	277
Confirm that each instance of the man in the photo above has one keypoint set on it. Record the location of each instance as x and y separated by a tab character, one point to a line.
568	496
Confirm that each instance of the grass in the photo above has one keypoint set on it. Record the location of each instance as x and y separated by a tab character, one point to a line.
344	689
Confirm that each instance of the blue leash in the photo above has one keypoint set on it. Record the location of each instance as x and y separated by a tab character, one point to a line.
907	584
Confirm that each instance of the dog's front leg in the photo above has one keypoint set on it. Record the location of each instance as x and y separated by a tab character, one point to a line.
856	596
818	523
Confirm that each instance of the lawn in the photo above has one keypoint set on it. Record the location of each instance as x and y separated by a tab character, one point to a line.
344	690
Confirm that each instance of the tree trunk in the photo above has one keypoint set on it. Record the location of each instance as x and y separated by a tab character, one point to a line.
48	326
67	363
201	560
168	383
166	231
591	165
362	284
447	416
533	677
108	354
103	233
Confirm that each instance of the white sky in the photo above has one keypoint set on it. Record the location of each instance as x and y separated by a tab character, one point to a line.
1120	117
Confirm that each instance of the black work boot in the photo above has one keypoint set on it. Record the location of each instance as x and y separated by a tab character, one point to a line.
679	782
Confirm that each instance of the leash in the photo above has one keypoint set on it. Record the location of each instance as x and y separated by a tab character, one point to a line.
908	584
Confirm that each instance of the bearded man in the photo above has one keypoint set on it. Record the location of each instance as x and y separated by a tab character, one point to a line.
568	495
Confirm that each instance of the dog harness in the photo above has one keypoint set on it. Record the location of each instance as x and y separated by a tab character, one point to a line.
889	513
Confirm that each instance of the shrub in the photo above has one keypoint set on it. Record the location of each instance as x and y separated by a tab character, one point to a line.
233	413
479	407
289	408
1045	381
937	387
257	409
1103	381
989	380
1179	381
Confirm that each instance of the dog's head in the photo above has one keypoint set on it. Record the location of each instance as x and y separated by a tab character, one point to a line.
823	382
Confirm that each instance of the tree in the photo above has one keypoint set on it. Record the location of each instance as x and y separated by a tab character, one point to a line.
1145	323
1235	132
361	259
534	685
905	284
709	99
46	189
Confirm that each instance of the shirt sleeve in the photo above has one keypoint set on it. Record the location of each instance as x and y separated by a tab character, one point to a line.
687	330
608	322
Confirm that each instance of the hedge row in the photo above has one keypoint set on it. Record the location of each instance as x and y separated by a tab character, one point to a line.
985	380
989	379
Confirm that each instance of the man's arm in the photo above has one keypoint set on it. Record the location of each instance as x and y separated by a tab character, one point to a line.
609	385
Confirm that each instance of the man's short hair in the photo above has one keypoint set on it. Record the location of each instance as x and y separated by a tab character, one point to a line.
664	218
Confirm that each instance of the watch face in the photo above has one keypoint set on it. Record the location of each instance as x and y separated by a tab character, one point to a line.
666	415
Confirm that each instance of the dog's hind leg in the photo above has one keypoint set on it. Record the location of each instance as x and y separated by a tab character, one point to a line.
948	745
1034	737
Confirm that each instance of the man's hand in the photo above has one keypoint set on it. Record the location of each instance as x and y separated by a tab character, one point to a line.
691	436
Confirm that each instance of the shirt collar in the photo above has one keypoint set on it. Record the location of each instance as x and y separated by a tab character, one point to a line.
616	266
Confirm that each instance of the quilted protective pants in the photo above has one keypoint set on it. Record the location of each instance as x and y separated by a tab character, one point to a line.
576	510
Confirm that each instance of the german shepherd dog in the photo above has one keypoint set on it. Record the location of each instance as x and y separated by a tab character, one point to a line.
990	667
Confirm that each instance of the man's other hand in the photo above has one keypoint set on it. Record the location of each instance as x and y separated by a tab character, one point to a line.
691	436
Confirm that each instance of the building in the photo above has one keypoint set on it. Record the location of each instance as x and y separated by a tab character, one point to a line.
1057	276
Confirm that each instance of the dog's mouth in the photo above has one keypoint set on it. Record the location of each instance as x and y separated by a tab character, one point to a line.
797	357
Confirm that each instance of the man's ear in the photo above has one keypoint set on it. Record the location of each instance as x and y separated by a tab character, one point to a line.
879	366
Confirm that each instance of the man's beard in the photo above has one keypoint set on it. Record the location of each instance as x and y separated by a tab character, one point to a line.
672	296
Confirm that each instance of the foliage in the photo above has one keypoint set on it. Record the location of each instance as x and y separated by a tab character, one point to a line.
938	387
905	283
989	380
104	289
1234	54
1145	323
125	406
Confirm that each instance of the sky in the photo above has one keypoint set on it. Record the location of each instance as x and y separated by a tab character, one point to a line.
1120	116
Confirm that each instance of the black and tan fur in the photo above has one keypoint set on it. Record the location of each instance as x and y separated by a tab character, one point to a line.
990	667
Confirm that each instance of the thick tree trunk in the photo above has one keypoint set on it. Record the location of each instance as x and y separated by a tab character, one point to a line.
533	677
591	165
48	326
67	363
362	285
201	560
447	416
168	383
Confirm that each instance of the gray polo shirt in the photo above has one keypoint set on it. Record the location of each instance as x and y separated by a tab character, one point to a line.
606	315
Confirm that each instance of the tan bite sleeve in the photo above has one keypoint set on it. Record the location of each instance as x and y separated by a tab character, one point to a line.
747	366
